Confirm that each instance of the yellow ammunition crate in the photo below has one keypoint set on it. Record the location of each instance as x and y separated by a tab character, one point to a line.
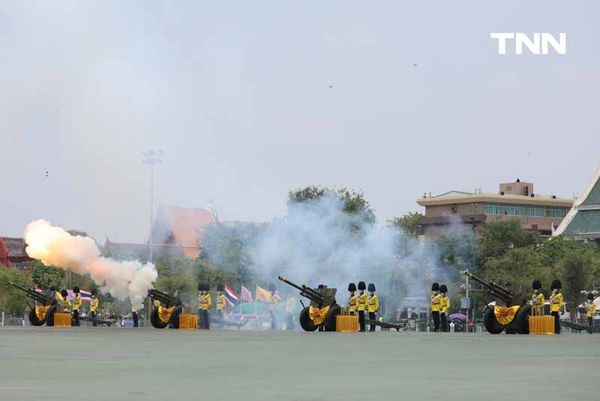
346	323
188	321
543	325
62	319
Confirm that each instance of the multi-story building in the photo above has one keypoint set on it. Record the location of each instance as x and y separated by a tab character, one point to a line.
514	200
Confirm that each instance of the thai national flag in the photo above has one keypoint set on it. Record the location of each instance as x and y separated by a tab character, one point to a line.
232	296
86	296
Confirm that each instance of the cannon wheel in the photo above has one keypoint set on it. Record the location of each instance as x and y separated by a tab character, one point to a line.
490	322
33	319
330	320
174	321
305	321
155	320
50	315
522	319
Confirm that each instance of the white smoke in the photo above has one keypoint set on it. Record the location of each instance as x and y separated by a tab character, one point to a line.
317	242
56	247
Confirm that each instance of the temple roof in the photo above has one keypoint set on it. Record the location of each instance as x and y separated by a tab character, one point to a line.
583	220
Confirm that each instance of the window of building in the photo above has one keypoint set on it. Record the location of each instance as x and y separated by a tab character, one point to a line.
521	210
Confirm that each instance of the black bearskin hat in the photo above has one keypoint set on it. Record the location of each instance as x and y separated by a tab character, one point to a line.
362	286
555	285
443	289
220	287
94	292
76	290
435	287
371	287
351	287
590	296
203	286
536	285
64	293
53	288
272	287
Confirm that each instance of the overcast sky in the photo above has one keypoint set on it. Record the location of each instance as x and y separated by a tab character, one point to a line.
249	99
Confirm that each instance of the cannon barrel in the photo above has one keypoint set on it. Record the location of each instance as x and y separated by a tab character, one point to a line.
305	291
492	288
36	296
163	297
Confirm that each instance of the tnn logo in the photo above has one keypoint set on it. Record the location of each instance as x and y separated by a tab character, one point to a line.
539	45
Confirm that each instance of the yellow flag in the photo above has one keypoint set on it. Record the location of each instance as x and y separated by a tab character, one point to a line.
262	294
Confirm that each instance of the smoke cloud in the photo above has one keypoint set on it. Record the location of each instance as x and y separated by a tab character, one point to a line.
56	247
317	242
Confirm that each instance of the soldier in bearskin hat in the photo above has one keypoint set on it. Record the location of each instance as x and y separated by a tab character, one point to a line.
361	305
590	309
444	307
76	306
537	299
204	303
221	301
556	303
94	303
372	305
66	304
352	298
436	306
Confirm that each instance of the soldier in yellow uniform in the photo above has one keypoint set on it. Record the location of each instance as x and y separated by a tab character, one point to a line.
221	301
372	305
94	303
537	299
205	301
444	307
66	304
352	298
361	305
556	304
76	306
436	306
58	297
590	309
273	302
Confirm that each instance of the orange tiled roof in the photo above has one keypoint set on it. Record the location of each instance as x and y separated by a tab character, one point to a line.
186	224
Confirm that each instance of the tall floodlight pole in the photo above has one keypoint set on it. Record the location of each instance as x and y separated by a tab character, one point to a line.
151	158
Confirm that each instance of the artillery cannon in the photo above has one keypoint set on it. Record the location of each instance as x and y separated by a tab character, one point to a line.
42	310
166	310
511	317
322	310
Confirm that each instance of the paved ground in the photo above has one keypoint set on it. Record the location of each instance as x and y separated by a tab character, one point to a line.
149	364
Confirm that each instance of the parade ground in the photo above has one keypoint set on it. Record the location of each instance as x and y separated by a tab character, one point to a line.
149	364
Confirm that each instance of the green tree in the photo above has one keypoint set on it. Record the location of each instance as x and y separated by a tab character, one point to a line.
353	202
575	272
47	277
12	300
516	269
499	237
408	223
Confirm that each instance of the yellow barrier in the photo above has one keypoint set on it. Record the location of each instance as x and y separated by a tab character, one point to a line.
346	323
543	325
188	321
62	319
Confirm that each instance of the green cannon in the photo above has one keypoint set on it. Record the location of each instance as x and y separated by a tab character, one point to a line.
166	310
43	308
511	317
323	309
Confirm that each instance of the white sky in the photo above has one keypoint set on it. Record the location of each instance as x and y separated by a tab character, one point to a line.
238	97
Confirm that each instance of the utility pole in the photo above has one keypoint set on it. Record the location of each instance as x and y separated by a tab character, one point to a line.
151	158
